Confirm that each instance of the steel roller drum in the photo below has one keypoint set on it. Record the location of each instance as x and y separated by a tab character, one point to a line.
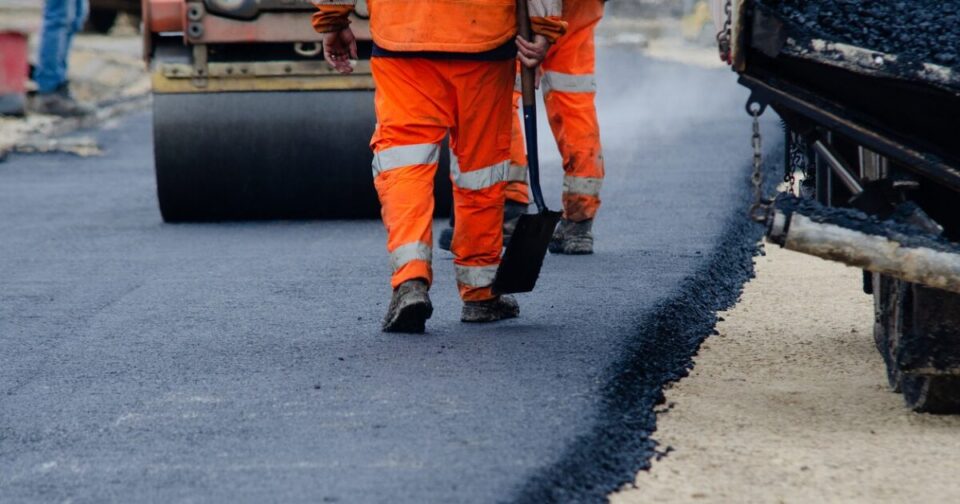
269	155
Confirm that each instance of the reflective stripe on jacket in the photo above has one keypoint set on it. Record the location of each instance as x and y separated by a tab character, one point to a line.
468	26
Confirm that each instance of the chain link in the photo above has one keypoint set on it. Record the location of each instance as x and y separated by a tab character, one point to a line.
790	179
758	211
725	35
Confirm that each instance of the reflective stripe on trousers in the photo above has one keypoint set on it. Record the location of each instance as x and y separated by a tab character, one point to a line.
587	186
517	173
568	83
415	251
476	276
405	155
481	178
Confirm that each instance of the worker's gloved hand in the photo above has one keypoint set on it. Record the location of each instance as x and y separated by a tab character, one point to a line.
533	53
339	48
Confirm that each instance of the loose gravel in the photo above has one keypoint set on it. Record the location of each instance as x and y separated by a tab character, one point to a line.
915	30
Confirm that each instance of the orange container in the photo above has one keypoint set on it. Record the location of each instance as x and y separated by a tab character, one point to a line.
13	72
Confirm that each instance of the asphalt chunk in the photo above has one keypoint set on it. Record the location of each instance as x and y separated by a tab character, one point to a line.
920	31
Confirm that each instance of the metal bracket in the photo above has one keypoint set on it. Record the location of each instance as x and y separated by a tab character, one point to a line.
251	69
839	167
754	104
195	14
200	71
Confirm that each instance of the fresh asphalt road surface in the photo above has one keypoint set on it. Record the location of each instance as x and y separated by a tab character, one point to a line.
243	362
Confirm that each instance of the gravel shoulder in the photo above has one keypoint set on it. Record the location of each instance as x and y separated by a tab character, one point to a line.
789	403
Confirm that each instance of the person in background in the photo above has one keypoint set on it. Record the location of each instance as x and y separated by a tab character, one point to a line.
569	88
62	19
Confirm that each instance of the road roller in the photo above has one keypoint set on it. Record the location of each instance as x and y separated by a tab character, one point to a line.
250	122
869	96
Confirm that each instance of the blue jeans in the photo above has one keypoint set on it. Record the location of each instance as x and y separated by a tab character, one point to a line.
61	20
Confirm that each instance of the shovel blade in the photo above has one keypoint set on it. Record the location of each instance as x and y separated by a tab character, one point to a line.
521	262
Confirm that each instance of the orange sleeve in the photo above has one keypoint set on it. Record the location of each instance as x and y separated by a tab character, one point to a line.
551	27
331	17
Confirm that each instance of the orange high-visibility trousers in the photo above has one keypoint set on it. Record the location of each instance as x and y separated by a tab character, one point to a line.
569	89
418	102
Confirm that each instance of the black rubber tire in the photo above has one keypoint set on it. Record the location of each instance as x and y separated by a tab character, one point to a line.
899	317
101	20
887	323
269	155
932	394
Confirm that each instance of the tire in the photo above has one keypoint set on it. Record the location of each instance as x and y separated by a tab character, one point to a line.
886	293
917	332
938	394
101	20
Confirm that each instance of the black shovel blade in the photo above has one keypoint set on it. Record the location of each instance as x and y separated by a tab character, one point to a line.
521	262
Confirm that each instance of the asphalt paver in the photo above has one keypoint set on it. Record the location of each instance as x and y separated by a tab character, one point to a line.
243	362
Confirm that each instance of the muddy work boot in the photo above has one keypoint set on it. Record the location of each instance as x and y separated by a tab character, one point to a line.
58	103
511	215
574	238
410	308
491	310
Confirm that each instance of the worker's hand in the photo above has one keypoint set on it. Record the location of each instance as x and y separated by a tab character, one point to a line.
339	48
531	54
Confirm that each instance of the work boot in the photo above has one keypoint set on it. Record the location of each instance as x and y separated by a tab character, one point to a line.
410	308
574	238
59	103
512	211
491	310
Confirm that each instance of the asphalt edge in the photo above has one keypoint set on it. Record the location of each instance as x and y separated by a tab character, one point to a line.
620	444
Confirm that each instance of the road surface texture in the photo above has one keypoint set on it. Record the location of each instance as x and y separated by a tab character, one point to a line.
789	403
243	362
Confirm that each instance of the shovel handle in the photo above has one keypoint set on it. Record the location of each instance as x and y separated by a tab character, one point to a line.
527	75
527	85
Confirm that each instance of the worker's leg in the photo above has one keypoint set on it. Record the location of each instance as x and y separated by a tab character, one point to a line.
61	20
480	142
411	122
51	70
569	88
517	199
81	11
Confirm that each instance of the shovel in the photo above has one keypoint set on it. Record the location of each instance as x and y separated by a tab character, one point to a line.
521	262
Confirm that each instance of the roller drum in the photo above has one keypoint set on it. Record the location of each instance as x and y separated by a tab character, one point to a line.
268	155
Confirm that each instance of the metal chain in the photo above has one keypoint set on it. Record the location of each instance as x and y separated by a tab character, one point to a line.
725	35
758	211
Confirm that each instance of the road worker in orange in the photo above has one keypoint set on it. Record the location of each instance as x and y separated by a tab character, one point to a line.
440	68
569	89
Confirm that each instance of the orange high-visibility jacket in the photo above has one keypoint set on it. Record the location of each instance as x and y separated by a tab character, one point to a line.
468	26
